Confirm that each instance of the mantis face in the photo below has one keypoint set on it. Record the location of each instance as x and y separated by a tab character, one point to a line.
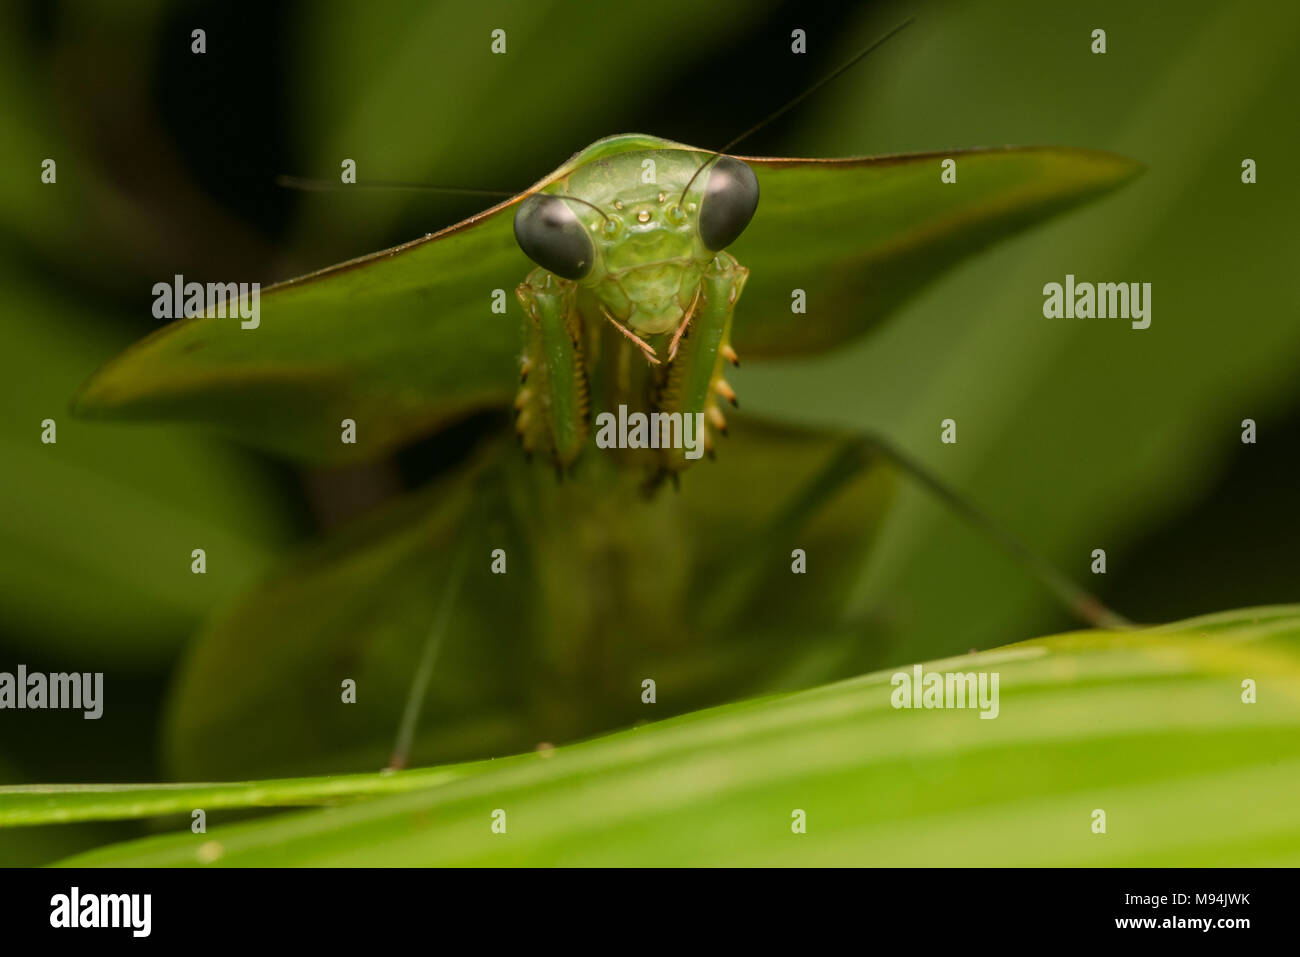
635	241
638	229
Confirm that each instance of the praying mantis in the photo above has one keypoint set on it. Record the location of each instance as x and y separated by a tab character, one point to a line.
655	268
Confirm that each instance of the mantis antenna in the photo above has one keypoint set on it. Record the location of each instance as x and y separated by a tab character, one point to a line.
796	100
328	186
321	185
306	185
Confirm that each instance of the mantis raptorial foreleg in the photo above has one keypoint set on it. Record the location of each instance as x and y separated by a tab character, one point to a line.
693	382
552	404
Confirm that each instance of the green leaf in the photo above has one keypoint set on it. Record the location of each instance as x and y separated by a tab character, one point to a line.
98	527
1148	726
602	588
30	804
35	847
404	340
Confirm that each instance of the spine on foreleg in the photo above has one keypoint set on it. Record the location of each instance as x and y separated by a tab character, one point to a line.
553	402
693	383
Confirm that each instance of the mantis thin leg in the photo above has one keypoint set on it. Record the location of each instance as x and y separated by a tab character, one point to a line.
858	454
1079	602
428	657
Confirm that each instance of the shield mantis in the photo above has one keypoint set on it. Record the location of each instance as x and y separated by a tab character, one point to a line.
656	267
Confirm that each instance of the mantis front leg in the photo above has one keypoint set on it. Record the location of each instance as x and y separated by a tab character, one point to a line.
553	402
693	381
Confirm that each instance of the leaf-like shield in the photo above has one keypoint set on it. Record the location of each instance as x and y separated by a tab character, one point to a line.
405	340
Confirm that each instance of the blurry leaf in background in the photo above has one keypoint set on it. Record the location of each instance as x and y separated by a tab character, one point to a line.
406	339
1169	752
262	687
58	221
379	90
75	88
601	589
1079	434
97	535
98	528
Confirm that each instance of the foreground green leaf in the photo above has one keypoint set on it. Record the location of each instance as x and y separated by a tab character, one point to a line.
405	340
65	803
1149	726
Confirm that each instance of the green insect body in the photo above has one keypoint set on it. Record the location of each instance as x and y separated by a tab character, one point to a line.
631	306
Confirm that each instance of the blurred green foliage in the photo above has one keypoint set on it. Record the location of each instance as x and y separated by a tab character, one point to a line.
1083	434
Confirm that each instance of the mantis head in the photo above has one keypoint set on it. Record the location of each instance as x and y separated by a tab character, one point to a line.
639	242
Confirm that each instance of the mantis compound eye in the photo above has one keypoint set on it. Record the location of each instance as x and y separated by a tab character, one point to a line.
551	235
730	199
